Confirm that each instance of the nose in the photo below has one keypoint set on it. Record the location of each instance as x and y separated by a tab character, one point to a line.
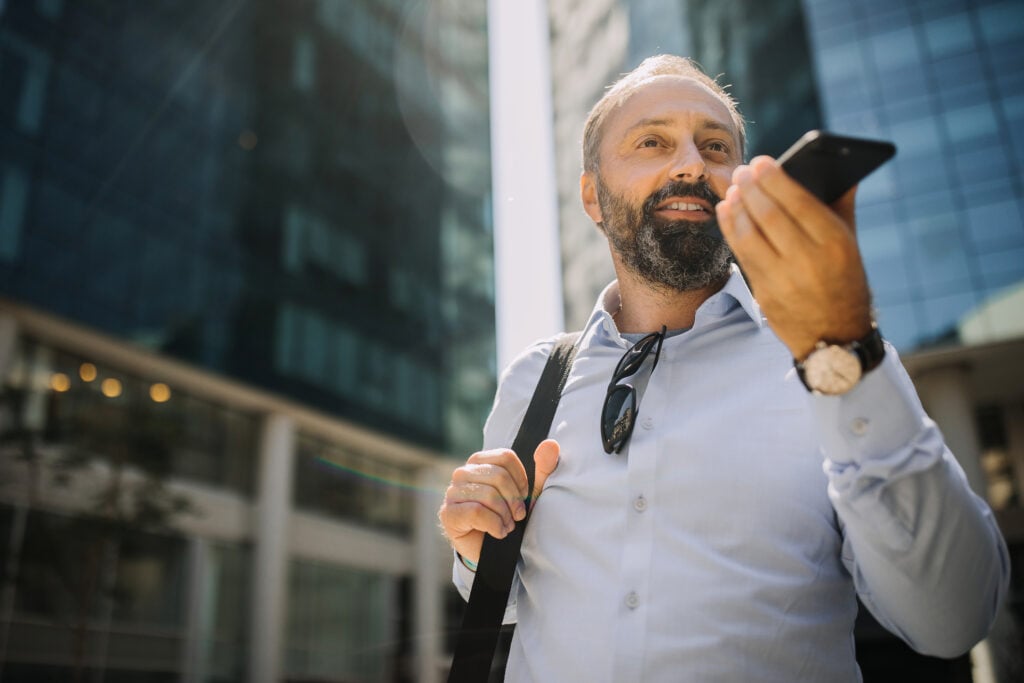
688	164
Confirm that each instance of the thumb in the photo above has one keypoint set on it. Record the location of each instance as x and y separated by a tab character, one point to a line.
545	460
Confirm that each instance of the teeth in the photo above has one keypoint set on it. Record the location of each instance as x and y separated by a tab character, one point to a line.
685	206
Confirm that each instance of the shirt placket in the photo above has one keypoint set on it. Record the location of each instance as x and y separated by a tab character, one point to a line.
634	591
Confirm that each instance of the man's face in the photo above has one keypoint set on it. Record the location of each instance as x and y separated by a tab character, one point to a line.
667	156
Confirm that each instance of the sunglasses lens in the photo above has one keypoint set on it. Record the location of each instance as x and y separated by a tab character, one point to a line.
635	356
617	420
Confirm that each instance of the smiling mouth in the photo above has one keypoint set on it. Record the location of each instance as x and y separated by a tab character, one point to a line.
683	210
683	206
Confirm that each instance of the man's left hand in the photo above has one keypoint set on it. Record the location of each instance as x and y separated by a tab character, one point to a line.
800	256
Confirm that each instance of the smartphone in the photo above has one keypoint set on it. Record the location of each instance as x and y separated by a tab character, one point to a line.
828	164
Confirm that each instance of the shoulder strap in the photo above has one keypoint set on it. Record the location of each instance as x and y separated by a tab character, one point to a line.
481	623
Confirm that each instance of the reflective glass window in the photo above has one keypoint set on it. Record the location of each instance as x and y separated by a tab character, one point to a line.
949	35
91	590
942	311
882	248
92	411
197	175
228	579
997	225
342	624
353	486
894	48
967	123
899	322
13	200
938	248
1002	21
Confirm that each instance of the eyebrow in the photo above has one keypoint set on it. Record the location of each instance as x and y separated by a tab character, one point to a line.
706	124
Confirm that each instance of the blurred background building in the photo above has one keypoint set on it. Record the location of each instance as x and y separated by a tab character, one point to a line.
247	281
247	268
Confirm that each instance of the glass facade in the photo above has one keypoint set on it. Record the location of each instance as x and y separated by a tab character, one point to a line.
101	475
294	194
92	597
291	195
341	624
78	411
351	486
100	586
942	225
761	50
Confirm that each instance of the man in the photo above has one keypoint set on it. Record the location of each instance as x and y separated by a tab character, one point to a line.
727	536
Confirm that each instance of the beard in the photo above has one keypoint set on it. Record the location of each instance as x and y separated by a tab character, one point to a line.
680	255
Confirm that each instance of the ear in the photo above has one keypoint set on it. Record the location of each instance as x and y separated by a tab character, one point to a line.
588	193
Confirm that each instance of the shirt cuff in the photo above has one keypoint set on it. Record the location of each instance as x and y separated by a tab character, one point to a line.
462	577
879	416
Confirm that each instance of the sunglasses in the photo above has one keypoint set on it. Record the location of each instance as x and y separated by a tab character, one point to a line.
618	416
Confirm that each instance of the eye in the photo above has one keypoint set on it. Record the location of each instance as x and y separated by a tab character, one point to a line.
717	146
649	142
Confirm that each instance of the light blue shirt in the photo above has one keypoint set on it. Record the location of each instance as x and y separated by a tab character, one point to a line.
729	540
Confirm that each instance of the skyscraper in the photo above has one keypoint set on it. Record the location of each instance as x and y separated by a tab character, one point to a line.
246	257
942	226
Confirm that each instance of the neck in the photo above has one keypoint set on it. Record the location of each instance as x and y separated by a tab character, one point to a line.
646	307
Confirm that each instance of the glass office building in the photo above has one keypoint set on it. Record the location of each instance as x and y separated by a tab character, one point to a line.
942	225
292	194
246	269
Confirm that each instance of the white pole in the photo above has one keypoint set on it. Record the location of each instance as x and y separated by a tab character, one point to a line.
527	256
270	550
431	575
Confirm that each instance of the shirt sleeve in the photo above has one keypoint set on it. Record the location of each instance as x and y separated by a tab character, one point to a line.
925	552
515	389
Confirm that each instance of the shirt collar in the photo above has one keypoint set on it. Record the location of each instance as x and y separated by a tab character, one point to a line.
735	292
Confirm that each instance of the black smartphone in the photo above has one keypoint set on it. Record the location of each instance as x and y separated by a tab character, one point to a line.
828	164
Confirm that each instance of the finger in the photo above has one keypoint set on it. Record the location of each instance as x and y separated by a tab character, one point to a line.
753	252
807	211
545	460
506	459
775	224
462	520
461	492
491	485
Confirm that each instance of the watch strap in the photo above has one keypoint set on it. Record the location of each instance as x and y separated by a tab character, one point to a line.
870	349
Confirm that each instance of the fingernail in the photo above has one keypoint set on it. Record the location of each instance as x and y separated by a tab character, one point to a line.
520	511
742	174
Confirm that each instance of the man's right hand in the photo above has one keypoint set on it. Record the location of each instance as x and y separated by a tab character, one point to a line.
487	493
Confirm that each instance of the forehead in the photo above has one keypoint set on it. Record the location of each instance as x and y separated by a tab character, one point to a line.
679	100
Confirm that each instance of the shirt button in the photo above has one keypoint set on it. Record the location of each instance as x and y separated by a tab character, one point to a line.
859	426
640	504
647	423
632	600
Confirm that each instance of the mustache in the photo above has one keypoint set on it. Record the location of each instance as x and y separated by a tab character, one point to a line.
679	188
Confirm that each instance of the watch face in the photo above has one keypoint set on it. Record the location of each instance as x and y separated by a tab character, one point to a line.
832	370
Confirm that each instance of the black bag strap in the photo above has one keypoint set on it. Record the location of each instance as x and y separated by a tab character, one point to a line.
481	623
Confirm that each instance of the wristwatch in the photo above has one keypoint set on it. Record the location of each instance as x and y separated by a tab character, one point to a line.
834	369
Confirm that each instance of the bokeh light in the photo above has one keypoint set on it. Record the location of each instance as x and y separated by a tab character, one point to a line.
111	387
